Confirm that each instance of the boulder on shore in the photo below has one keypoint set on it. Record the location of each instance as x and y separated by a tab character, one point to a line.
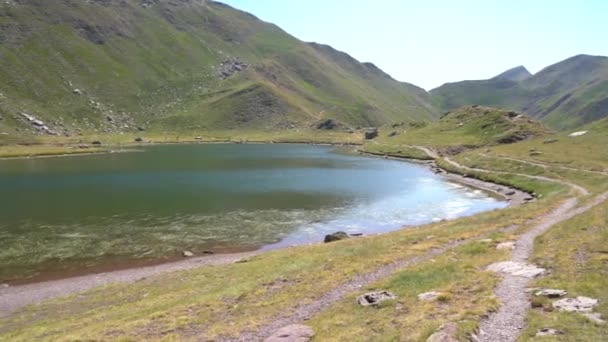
371	133
337	236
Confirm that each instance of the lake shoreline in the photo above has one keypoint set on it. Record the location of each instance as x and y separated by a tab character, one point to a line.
15	297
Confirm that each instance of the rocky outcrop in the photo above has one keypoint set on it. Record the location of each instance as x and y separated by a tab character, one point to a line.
39	125
230	67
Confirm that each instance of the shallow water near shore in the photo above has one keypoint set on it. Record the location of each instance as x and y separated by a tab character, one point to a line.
88	213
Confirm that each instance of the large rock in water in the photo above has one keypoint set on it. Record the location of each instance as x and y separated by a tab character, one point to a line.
292	333
337	236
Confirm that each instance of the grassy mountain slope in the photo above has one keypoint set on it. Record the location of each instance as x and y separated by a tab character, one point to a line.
108	66
564	95
459	130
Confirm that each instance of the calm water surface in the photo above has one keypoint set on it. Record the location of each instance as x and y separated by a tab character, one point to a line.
79	213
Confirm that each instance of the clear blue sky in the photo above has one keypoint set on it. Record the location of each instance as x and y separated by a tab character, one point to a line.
431	42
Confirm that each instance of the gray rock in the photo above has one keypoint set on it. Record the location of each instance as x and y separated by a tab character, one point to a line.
429	296
506	245
187	254
139	139
327	124
515	268
578	304
292	333
77	91
551	293
595	317
371	133
548	332
446	333
337	236
375	298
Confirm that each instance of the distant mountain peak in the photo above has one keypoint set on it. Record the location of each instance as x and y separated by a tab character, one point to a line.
516	74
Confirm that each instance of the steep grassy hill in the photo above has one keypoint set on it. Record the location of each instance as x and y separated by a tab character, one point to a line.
103	66
564	95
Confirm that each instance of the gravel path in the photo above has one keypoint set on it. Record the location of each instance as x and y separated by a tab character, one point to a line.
578	188
506	324
435	155
15	297
544	166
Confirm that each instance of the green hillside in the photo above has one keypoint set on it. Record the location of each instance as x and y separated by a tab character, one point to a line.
118	66
457	131
564	95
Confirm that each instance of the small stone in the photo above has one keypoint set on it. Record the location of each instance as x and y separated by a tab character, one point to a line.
292	333
77	91
551	293
506	245
548	332
578	304
337	236
510	193
429	296
520	269
4	286
375	298
187	254
486	240
96	142
139	139
578	134
198	138
446	333
595	317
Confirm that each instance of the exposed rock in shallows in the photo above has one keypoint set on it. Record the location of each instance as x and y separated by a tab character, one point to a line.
292	333
375	298
337	236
